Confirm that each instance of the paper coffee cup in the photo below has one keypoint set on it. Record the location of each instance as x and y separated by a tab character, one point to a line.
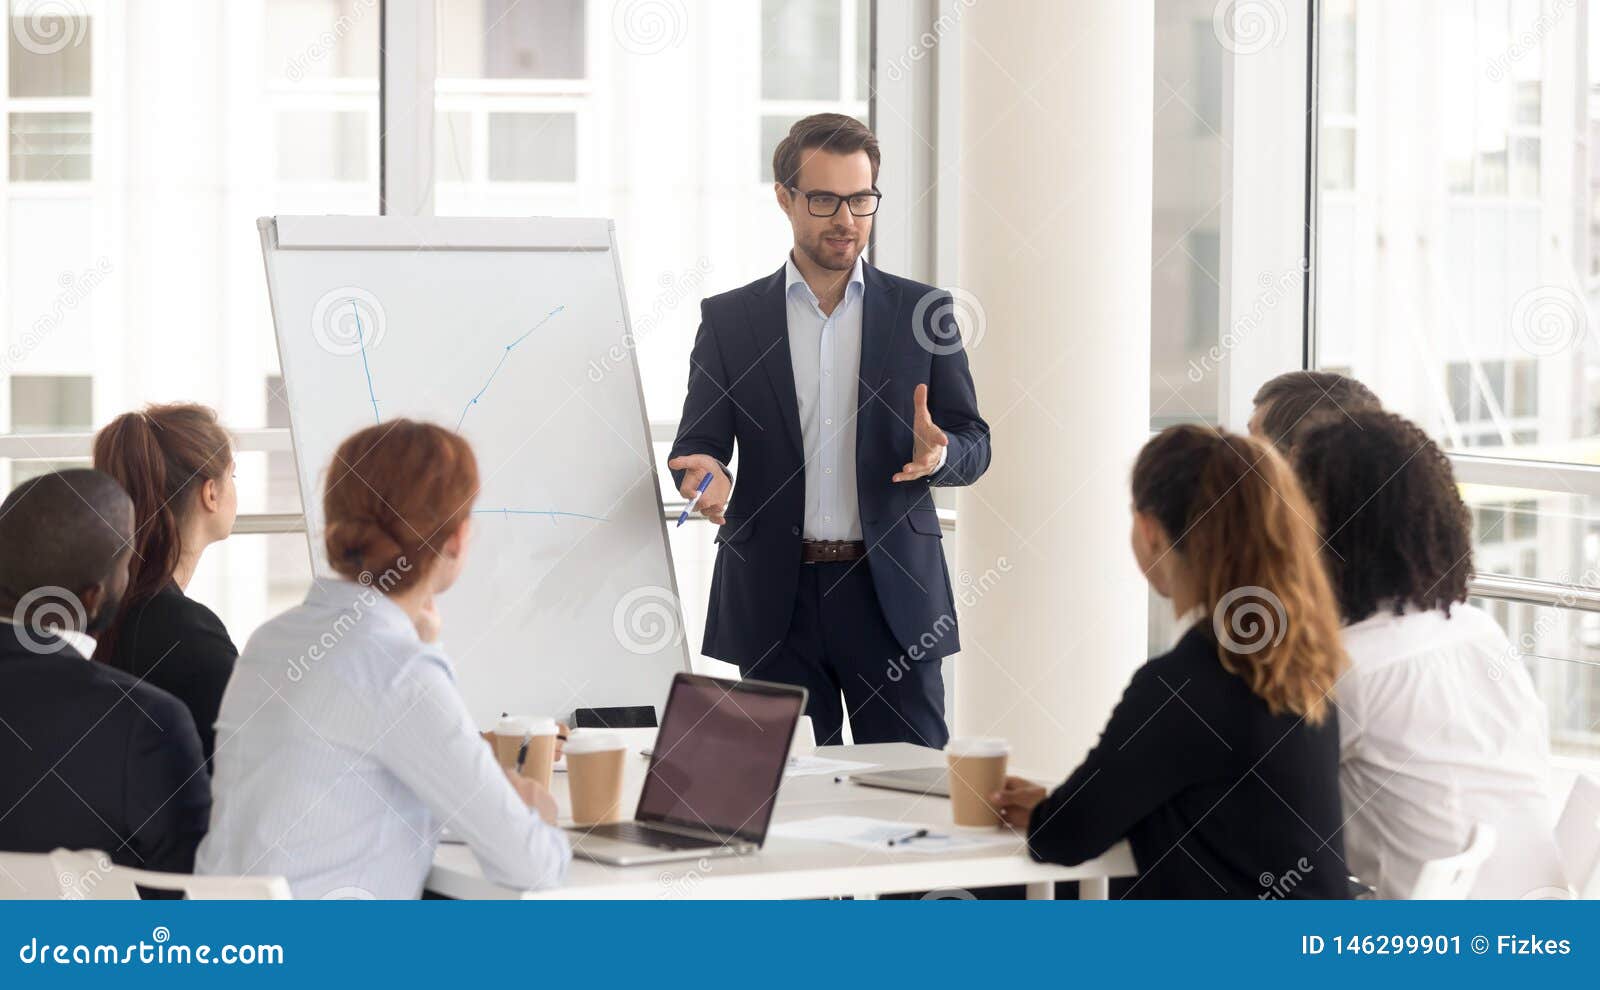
977	769
594	776
507	736
541	757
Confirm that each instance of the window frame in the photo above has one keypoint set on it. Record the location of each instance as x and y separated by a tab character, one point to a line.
1574	604
912	109
403	149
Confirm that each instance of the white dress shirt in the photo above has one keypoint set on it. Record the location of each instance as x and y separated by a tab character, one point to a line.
1440	728
343	748
826	353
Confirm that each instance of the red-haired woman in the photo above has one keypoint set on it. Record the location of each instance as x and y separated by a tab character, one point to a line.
347	747
176	462
1220	765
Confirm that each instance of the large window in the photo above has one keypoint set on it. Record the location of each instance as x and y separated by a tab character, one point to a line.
143	141
663	117
1189	210
814	57
1456	258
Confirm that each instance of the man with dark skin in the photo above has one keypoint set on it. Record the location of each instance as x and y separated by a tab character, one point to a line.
94	758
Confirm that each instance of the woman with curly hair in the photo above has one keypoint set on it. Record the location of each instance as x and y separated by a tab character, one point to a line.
1220	763
1440	727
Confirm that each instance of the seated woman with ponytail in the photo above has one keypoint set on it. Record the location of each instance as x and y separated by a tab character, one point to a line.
348	747
1220	765
176	463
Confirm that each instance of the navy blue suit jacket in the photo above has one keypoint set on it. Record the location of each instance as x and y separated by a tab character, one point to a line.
742	394
96	759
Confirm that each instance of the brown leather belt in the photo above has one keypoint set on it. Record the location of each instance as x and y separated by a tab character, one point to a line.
827	551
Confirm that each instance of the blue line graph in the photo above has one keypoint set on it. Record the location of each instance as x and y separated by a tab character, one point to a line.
503	356
506	512
362	337
551	513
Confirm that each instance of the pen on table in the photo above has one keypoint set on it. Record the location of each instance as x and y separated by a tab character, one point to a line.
920	833
705	483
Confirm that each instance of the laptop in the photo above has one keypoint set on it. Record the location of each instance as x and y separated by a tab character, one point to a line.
923	780
713	777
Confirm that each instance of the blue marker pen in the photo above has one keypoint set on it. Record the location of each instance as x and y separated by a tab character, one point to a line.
705	483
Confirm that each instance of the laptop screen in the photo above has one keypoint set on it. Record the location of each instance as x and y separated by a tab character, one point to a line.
720	755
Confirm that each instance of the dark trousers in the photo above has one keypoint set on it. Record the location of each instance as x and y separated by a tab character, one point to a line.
840	645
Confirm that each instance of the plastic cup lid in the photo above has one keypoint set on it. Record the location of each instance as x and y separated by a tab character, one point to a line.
977	746
590	741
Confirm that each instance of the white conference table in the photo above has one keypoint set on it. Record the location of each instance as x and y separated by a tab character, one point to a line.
793	868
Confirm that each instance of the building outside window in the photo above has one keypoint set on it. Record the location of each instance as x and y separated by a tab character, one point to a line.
1455	260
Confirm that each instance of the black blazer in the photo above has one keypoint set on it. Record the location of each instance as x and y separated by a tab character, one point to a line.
742	393
1218	797
95	759
180	646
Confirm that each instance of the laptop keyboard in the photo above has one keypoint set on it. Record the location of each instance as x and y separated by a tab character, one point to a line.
646	835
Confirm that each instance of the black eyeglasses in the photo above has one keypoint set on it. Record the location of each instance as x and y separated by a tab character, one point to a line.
826	204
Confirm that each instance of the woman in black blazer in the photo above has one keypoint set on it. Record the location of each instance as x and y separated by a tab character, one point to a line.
176	462
1220	765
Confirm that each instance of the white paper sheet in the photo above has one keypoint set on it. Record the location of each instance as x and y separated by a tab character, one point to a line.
807	766
875	833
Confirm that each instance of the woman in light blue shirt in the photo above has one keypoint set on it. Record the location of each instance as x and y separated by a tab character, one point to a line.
343	744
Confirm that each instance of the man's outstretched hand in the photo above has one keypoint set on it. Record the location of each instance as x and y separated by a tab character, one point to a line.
929	445
694	467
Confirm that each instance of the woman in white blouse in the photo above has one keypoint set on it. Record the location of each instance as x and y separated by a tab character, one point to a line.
1440	727
343	744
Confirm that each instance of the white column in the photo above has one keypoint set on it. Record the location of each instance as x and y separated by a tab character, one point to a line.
1262	210
407	87
1055	180
905	120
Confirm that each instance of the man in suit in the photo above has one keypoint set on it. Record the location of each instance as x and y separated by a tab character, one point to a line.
90	757
846	393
